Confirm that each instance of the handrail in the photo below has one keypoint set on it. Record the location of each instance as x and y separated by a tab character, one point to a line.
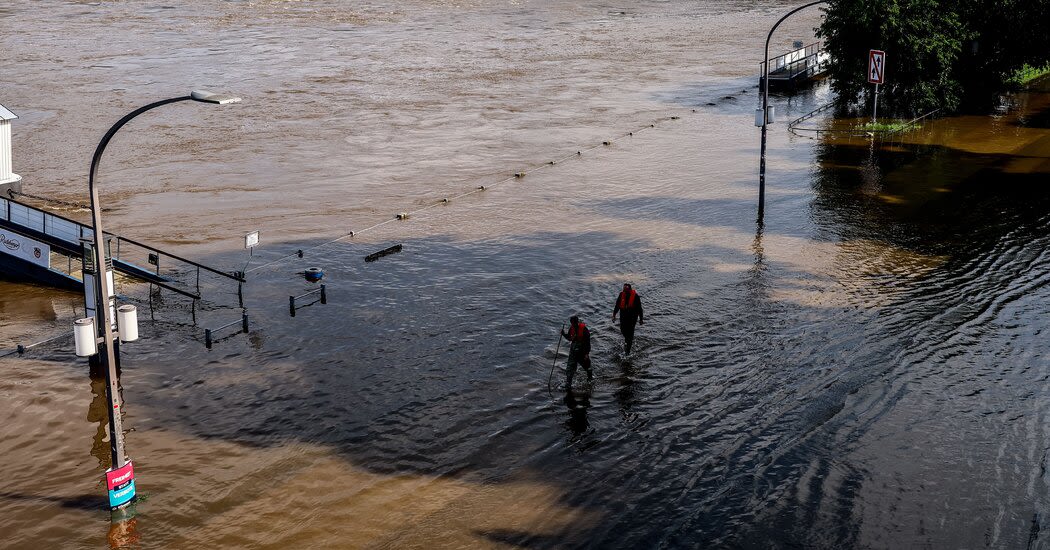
913	121
209	332
811	114
181	259
809	51
21	348
83	227
291	299
907	126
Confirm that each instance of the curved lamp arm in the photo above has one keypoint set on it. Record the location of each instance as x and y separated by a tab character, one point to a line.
765	108
103	291
203	97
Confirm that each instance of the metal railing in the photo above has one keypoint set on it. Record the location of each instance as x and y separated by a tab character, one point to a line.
209	333
810	115
137	254
915	121
808	60
794	127
43	222
291	299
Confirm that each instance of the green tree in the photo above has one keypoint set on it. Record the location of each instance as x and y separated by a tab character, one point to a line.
939	54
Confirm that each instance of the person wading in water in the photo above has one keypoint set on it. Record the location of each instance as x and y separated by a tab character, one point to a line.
579	350
629	305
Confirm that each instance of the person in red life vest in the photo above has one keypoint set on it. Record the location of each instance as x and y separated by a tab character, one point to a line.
629	306
579	350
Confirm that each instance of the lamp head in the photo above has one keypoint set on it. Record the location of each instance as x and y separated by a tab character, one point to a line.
208	97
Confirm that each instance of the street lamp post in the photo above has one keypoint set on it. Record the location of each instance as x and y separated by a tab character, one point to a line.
765	109
103	293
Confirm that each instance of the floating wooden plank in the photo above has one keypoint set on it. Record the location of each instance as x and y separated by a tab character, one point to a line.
385	252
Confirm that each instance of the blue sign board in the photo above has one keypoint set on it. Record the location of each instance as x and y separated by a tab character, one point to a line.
123	495
121	485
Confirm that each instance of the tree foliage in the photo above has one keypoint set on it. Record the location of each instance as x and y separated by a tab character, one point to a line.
939	54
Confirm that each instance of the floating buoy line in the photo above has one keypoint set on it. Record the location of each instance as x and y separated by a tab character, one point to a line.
314	275
402	216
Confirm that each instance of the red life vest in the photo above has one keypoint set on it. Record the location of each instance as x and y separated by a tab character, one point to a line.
627	299
576	330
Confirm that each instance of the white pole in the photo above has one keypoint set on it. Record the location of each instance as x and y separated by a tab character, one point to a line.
875	112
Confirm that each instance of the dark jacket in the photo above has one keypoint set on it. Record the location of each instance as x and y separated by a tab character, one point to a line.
629	308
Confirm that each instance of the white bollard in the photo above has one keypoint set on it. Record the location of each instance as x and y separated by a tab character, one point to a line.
127	323
84	337
770	116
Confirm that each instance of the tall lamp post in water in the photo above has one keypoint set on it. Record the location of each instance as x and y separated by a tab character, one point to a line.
104	300
765	109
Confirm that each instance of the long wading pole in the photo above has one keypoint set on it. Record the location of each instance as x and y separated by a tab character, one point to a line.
875	111
556	352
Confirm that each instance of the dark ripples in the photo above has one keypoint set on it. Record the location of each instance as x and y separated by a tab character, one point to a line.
740	419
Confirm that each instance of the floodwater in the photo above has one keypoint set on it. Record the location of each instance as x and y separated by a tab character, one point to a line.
866	369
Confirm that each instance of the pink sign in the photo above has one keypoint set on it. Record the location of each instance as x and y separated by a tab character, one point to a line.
118	477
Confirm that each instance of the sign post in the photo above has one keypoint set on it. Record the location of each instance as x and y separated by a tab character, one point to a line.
876	76
251	240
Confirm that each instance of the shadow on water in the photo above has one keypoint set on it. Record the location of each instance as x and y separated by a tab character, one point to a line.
91	502
716	212
626	392
438	369
471	319
577	404
721	429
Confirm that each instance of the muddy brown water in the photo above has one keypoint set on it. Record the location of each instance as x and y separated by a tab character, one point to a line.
867	369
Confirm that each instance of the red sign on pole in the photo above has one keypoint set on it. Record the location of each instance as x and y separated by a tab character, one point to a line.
121	485
876	66
119	477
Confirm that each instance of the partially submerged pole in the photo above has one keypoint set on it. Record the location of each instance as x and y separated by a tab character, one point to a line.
765	109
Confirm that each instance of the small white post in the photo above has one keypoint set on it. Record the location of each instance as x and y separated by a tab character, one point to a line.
84	336
7	178
127	323
875	112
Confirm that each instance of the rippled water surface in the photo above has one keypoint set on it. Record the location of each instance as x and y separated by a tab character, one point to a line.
866	369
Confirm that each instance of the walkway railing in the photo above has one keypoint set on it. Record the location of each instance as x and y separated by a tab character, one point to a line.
128	254
795	128
806	61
